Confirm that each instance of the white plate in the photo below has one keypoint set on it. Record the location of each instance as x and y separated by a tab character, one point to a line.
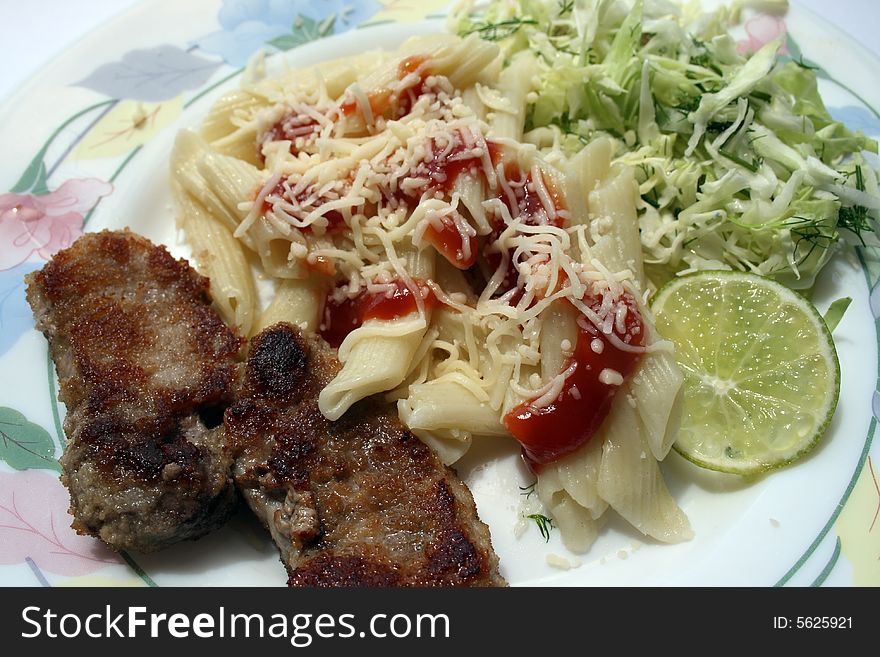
102	119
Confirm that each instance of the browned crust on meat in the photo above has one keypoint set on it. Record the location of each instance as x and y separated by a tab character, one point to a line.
345	570
143	360
356	502
98	290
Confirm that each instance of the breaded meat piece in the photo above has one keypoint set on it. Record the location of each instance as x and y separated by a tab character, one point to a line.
355	502
146	368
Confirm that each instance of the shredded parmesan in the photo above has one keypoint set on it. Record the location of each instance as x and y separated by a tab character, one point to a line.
561	562
551	391
396	180
610	377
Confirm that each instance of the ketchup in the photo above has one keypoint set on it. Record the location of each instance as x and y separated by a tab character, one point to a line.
335	220
549	433
343	317
292	126
297	124
399	104
529	209
320	264
380	101
441	167
450	243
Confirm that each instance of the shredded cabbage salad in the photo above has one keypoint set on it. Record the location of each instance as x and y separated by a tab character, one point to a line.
739	163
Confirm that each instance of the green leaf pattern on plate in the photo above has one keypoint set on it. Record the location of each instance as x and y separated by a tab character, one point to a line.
304	29
34	177
23	444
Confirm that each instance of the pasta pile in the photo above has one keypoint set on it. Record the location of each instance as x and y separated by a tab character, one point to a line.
401	213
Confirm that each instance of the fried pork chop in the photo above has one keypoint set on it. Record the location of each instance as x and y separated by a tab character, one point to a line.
146	367
355	502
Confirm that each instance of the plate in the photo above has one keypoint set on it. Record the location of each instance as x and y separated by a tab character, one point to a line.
96	157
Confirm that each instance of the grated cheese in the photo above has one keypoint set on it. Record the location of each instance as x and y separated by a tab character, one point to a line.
610	377
385	176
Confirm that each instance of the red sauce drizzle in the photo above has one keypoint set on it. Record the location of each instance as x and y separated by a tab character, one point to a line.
295	124
410	65
450	244
320	265
343	317
549	433
280	131
380	102
292	126
442	169
530	210
335	220
383	101
528	207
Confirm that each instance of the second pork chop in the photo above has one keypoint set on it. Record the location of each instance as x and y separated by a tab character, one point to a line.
355	502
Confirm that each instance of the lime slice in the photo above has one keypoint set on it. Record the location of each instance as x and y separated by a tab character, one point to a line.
761	374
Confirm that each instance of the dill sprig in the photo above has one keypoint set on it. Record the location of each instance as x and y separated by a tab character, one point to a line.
501	29
545	524
703	58
809	231
752	166
689	104
855	218
528	490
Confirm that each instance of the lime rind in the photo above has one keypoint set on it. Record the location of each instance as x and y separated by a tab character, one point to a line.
710	337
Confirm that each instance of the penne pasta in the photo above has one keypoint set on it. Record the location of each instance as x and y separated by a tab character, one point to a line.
579	529
631	482
578	475
452	403
297	302
507	119
467	276
583	173
450	444
376	357
614	223
220	183
228	127
221	258
559	335
657	391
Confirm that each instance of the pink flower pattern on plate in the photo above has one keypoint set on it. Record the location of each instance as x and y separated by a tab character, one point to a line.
761	30
34	524
45	224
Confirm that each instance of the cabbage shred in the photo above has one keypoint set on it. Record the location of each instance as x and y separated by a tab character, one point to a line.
740	165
